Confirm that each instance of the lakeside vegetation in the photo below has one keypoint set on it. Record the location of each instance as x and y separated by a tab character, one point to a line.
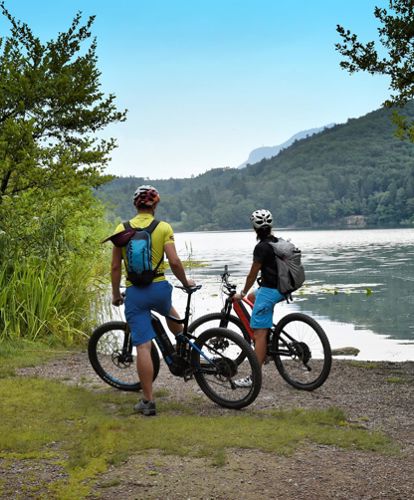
50	159
52	271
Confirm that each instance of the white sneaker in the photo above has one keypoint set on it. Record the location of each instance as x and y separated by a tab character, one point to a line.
244	382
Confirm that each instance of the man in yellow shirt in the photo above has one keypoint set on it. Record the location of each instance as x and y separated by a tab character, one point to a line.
139	301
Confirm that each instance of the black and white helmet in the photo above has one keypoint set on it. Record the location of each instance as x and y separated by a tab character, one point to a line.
261	218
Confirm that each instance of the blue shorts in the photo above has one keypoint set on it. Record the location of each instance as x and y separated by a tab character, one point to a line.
262	314
139	302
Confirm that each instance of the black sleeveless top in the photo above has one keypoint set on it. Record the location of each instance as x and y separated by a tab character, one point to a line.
264	254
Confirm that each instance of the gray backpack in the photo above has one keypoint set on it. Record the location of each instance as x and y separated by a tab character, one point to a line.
290	271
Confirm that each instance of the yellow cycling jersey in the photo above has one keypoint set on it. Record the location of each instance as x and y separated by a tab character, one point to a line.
162	235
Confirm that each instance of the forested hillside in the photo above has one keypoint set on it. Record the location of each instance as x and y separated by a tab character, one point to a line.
355	169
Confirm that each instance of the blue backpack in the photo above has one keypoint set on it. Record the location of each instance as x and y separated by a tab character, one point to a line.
139	254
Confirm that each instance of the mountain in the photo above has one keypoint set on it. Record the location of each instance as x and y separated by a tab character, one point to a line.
265	152
353	174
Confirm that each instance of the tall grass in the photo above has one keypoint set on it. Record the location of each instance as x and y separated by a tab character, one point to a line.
52	271
38	302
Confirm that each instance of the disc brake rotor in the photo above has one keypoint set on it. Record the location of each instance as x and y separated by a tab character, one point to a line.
226	368
302	351
220	344
121	360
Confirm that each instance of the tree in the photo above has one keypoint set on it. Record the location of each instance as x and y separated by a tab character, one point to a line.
51	108
396	35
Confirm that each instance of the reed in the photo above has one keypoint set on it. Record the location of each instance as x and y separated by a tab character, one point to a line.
52	275
37	302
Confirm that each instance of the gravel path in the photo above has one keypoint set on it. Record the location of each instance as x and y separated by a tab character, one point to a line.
379	395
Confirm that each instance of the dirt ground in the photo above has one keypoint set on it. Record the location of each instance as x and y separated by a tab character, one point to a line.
380	395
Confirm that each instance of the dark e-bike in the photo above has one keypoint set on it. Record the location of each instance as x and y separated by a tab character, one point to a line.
297	343
213	358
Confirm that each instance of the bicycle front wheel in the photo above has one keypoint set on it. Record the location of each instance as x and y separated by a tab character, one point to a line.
113	357
217	372
301	351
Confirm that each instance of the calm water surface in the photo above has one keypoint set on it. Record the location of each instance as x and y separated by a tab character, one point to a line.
360	283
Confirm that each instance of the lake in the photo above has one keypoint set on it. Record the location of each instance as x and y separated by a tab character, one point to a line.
360	283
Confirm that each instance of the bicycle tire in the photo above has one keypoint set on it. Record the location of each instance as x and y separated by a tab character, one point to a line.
308	358
105	351
217	377
218	320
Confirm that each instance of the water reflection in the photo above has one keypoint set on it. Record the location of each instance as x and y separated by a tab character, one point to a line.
360	278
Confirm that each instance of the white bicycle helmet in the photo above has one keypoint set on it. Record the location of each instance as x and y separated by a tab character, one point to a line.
261	218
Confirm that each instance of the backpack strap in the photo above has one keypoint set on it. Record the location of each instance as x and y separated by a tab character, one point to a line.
152	226
150	229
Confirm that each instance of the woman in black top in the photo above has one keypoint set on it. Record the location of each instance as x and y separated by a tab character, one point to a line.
267	296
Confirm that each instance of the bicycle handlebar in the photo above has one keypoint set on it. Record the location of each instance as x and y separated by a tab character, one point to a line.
231	289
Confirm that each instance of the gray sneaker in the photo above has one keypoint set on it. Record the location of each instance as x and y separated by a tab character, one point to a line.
244	382
147	408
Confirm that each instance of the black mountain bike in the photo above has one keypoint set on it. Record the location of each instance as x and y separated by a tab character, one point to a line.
297	344
210	359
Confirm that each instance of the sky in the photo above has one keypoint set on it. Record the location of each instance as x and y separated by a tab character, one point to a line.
207	81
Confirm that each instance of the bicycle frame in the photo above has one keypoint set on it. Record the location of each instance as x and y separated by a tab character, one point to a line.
166	347
244	315
176	363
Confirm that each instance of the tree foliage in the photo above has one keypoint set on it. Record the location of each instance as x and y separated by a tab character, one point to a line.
396	35
51	107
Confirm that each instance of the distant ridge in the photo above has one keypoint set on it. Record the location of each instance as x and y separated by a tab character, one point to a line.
266	152
355	174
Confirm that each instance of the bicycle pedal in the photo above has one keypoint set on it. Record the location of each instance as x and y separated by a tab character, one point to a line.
188	375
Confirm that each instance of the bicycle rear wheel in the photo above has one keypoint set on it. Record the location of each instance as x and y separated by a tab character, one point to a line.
113	357
214	361
301	351
219	320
